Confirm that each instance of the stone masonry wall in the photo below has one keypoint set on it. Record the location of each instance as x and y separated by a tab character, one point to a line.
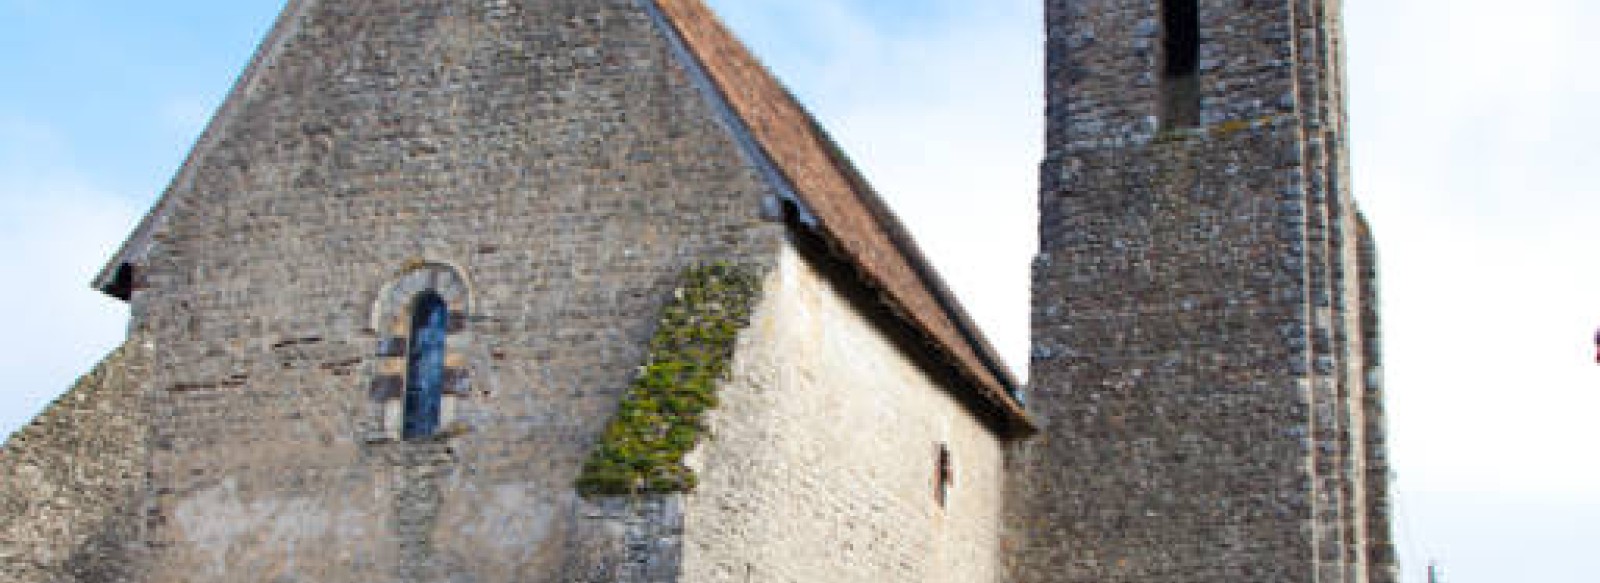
1166	373
821	460
551	154
1201	329
1382	559
71	481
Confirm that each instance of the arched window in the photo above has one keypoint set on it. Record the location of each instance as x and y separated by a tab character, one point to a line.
421	375
1180	63
430	326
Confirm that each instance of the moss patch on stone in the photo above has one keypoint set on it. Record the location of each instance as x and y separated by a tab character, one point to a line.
662	416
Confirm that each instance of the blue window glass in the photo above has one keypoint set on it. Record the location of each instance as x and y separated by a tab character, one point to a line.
430	321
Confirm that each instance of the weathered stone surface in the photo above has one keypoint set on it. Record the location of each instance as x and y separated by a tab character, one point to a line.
822	458
1204	316
71	481
501	141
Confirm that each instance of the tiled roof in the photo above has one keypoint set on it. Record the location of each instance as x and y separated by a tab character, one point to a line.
849	215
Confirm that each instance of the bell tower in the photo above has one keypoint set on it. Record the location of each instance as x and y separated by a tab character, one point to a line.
1206	360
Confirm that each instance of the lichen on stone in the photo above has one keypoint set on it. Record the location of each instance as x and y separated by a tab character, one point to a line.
661	417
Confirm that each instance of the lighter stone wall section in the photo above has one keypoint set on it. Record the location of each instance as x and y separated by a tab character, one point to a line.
820	464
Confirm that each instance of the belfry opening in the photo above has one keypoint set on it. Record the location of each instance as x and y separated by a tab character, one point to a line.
1180	63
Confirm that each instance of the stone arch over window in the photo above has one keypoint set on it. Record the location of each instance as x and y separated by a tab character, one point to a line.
1180	63
421	372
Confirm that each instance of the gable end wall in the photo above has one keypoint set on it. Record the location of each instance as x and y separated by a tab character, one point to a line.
558	158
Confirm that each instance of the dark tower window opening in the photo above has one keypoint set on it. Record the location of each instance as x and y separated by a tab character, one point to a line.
430	326
1180	63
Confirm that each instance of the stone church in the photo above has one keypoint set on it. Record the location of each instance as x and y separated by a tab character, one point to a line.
492	291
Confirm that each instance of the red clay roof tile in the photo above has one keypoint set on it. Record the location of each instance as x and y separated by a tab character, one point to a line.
851	216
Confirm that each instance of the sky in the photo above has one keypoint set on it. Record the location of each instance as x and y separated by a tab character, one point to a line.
1474	131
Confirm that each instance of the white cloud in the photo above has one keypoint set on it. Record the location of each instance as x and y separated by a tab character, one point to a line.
1471	153
57	228
1473	126
947	132
1488	341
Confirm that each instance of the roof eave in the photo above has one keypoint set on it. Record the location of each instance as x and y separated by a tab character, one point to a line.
991	380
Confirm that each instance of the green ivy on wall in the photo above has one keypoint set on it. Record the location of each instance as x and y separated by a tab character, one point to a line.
661	418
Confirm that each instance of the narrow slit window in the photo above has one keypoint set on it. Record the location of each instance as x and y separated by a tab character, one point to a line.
430	324
944	475
1180	63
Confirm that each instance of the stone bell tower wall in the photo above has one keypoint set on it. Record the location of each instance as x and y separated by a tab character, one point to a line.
549	169
1204	332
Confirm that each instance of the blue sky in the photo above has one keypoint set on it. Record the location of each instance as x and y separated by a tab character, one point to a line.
121	78
1474	136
